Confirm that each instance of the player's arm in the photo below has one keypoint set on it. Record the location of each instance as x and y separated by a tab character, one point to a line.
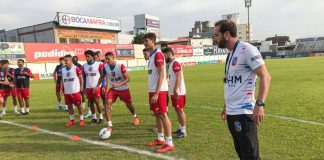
79	73
160	70
54	75
29	73
177	83
102	76
61	87
265	79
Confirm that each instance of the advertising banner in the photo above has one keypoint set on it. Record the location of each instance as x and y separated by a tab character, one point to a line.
198	50
51	52
182	50
79	34
125	51
72	20
208	50
153	30
153	23
11	50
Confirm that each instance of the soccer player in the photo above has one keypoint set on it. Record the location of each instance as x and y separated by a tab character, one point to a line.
10	90
103	88
73	86
158	90
92	70
177	90
57	74
75	60
22	80
164	46
118	79
3	82
242	112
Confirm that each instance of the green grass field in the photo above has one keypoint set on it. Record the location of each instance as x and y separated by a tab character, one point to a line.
297	90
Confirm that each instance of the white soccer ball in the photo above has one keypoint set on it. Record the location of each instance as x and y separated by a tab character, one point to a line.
104	133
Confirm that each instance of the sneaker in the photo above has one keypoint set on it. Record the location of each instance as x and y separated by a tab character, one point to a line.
136	121
100	121
87	116
2	114
25	113
165	148
65	108
70	123
81	124
180	135
177	131
16	112
93	121
156	143
59	107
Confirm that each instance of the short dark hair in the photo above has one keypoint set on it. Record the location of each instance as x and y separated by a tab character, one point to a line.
89	52
227	25
75	57
21	60
97	53
4	61
164	44
145	50
150	36
67	56
102	60
109	54
62	58
168	50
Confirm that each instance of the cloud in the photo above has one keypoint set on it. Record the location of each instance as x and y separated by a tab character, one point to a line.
268	17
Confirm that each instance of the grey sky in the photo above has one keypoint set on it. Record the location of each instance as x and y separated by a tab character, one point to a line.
296	18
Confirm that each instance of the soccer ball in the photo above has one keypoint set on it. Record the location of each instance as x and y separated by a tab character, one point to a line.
104	133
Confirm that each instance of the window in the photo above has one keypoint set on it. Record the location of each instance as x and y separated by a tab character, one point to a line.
63	40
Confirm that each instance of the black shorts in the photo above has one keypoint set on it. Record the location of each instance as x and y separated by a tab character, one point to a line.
245	136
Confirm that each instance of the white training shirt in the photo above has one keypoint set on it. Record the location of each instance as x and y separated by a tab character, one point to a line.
70	79
156	59
174	67
241	80
92	73
116	75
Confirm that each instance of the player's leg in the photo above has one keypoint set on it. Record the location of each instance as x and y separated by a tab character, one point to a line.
89	114
14	100
125	96
21	101
178	104
58	97
83	100
5	97
97	104
71	113
96	96
1	102
108	104
26	98
77	103
93	111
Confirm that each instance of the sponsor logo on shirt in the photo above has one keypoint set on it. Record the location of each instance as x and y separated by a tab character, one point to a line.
68	74
68	80
255	58
234	61
90	69
233	80
113	74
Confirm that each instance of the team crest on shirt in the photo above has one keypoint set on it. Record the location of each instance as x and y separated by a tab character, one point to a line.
67	74
234	61
90	69
238	126
113	74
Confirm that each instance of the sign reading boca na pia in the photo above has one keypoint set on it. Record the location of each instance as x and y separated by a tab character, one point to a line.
72	20
51	52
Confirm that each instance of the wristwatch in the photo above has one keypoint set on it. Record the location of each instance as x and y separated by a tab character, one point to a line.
259	103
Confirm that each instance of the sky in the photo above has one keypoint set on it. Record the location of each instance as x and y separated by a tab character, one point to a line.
294	18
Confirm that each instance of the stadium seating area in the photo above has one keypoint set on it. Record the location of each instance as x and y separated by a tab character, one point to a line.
310	45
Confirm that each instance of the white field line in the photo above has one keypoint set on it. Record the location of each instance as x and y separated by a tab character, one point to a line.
100	143
270	115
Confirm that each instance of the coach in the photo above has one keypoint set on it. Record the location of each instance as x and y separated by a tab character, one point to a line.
242	112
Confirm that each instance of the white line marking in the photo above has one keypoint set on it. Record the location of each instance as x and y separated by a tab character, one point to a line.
271	115
109	145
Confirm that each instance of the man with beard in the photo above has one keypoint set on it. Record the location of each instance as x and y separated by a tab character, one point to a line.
241	111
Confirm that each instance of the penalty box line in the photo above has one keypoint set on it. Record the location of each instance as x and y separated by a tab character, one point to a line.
99	143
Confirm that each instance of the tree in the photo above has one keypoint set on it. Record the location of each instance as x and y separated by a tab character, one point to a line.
138	38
